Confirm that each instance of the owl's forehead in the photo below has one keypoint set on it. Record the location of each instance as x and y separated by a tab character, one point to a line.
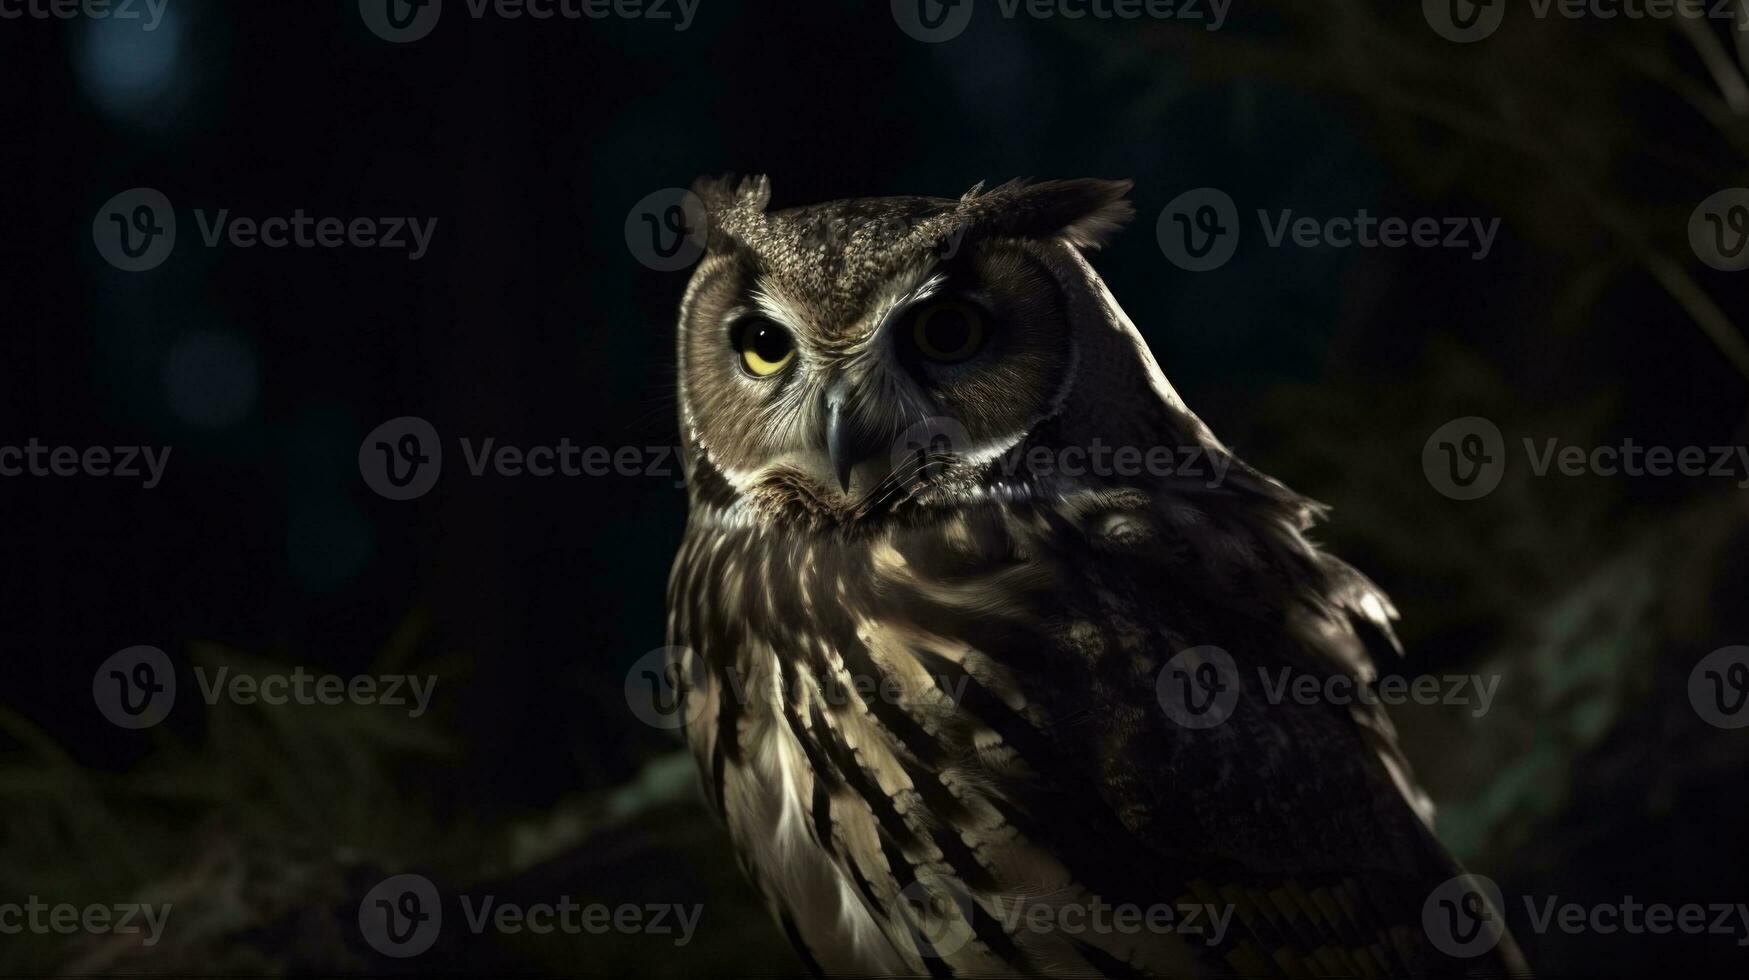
838	260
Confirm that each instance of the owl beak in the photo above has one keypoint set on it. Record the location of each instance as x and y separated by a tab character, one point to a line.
837	436
846	441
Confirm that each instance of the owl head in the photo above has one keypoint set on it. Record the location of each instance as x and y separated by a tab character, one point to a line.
849	361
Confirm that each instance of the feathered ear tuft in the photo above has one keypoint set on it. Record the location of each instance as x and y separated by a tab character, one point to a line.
722	193
1087	211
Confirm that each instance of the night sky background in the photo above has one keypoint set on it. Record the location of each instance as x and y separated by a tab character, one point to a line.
530	321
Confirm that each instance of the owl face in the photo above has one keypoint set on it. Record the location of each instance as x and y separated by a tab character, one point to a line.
840	359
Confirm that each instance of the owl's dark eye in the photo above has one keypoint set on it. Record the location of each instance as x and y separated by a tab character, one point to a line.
948	331
764	346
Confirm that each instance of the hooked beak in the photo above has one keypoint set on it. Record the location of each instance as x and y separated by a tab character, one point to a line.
848	441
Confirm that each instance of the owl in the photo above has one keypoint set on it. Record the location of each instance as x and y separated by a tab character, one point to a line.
929	641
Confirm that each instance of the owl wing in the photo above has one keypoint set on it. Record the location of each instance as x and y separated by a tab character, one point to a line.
1294	817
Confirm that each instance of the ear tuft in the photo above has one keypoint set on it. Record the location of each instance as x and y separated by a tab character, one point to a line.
1087	211
722	193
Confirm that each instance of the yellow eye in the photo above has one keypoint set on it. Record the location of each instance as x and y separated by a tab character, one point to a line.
765	347
949	331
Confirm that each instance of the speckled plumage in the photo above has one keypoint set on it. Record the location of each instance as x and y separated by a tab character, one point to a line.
940	681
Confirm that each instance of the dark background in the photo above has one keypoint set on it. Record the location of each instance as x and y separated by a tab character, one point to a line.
530	321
